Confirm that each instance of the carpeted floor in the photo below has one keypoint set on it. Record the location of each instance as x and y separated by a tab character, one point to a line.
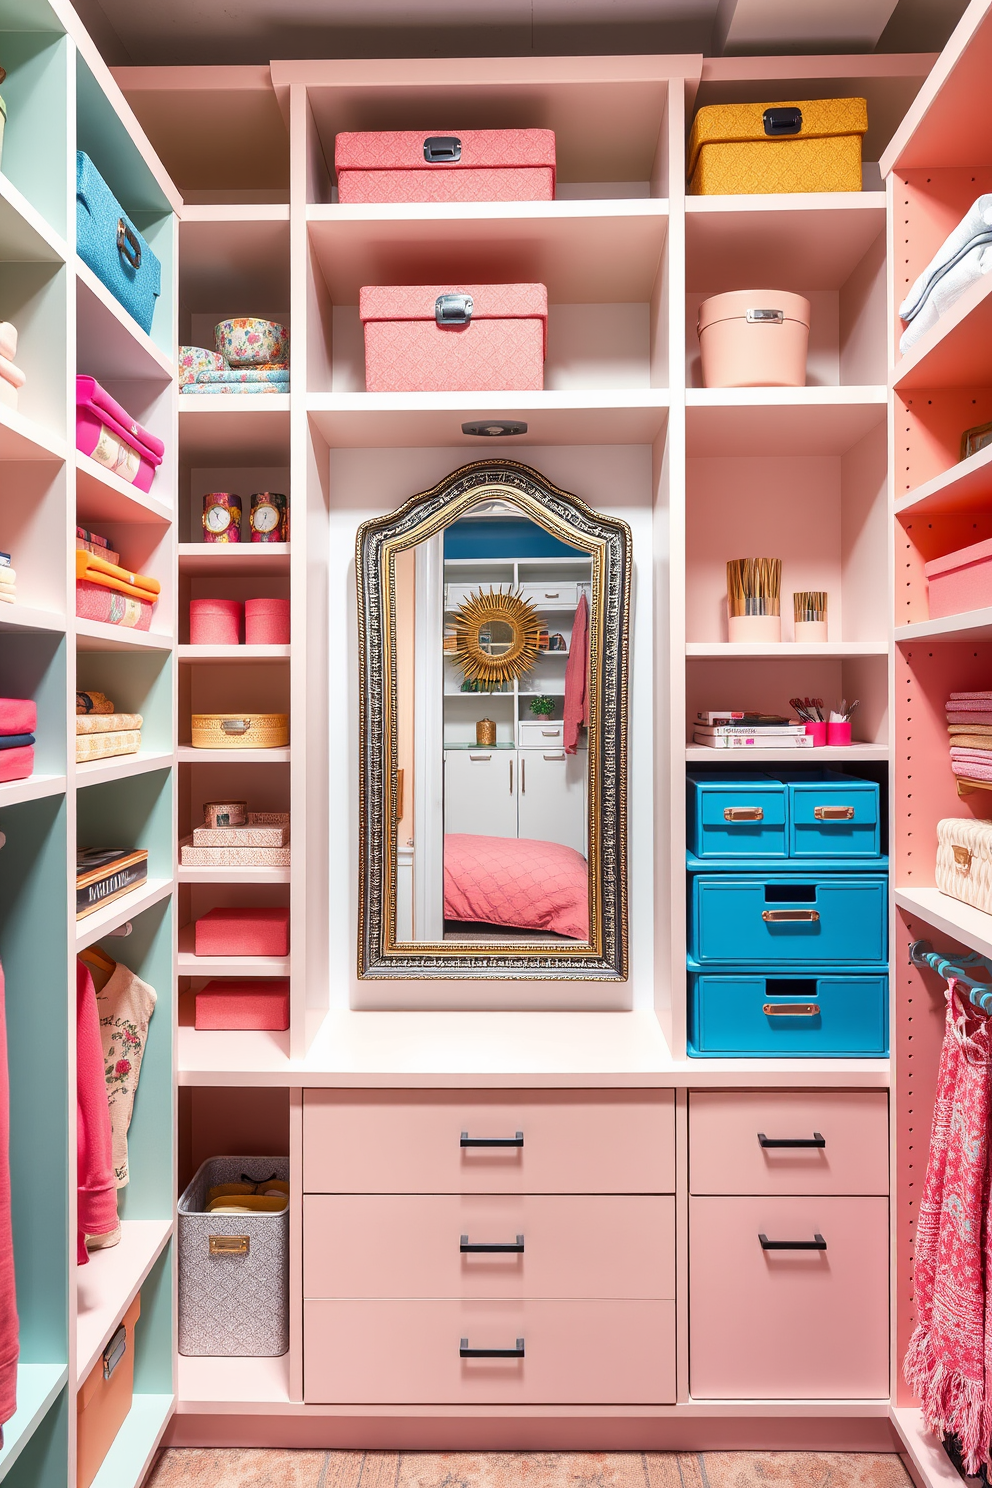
243	1467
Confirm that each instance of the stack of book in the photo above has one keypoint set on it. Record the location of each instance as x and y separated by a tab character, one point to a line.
729	729
263	843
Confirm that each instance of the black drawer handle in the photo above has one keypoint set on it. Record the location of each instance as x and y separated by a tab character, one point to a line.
514	1141
464	1352
508	1247
814	1141
817	1243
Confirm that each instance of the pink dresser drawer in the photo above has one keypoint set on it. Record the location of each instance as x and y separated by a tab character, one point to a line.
429	1141
788	1324
398	1245
727	1155
578	1353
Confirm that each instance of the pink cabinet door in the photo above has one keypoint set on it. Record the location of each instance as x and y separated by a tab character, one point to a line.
791	1324
737	1142
400	1245
578	1353
494	1141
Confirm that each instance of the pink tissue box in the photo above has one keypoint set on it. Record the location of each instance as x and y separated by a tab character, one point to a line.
960	581
242	931
501	347
267	622
249	1003
394	165
215	622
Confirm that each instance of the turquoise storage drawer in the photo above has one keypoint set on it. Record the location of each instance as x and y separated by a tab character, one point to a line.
746	1013
832	815
808	921
734	814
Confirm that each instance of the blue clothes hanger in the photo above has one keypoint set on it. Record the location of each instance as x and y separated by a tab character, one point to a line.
922	953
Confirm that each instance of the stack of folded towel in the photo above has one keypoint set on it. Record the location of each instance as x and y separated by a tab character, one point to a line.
250	356
969	723
12	379
18	721
107	592
8	586
963	257
100	732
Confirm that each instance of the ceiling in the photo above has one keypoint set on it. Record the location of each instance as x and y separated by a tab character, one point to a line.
201	32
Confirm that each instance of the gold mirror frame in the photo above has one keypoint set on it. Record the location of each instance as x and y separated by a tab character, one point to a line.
472	617
607	541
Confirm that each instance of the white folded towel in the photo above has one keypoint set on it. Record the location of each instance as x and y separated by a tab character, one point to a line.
963	257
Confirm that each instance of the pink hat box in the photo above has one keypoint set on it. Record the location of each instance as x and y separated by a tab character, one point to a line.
258	1005
754	338
97	411
267	622
215	622
437	338
485	165
960	581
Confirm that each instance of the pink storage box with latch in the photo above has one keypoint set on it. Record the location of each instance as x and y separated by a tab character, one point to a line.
439	338
485	165
960	581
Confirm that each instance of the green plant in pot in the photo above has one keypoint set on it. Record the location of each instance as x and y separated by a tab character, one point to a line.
542	707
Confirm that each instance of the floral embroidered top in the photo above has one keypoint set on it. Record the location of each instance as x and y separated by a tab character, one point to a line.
125	1004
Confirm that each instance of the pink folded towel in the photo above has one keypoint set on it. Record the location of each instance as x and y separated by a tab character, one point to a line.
977	756
10	373
969	705
8	340
968	770
969	718
958	695
18	716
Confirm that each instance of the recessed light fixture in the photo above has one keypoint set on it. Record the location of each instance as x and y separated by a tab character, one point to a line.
494	428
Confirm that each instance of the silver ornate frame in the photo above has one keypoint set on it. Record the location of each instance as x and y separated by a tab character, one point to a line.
608	541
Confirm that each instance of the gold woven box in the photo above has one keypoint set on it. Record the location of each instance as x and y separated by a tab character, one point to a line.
740	148
239	730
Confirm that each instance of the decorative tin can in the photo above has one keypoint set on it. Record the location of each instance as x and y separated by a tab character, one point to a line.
269	517
221	517
225	813
485	731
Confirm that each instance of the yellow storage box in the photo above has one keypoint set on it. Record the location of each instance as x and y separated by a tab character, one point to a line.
739	148
239	730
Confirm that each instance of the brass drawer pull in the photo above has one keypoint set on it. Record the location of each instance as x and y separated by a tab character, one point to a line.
235	725
791	1009
834	813
808	915
743	813
229	1244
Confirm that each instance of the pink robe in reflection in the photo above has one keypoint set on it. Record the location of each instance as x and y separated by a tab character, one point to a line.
577	677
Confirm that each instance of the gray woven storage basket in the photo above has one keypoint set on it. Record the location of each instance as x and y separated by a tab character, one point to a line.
234	1303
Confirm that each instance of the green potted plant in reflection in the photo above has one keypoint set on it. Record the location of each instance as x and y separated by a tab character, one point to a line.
542	707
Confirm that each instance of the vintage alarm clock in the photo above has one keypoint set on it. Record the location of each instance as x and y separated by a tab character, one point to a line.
221	517
269	517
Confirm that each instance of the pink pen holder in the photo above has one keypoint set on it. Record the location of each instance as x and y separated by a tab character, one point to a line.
839	733
818	732
215	622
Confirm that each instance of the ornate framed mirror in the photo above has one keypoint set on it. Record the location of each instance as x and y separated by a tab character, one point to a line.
493	634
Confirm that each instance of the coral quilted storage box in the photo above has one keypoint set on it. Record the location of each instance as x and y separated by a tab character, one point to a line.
258	931
233	1268
105	1397
734	1014
487	165
736	815
814	145
251	1002
824	919
436	338
964	861
109	243
960	581
832	815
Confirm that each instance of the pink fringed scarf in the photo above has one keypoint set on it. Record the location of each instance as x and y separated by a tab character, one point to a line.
949	1359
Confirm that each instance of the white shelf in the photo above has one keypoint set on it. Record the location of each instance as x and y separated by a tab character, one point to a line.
817	238
22	617
786	421
122	766
233	654
211	1383
954	352
136	1443
231	1053
234	429
970	625
103	496
34	788
111	342
931	1465
190	756
96	635
94	926
234	560
233	875
784	650
37	1387
109	1283
235	966
24	233
22	439
950	916
965	487
832	753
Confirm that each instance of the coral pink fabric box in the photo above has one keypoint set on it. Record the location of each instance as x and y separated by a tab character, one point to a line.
243	932
487	165
248	1003
960	581
437	338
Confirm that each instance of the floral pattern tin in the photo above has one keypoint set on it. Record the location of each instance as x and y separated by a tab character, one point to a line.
247	341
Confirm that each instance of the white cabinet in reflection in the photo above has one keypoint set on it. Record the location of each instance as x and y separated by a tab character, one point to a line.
517	793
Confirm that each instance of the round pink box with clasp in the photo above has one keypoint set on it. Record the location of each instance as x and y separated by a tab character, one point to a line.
267	622
215	622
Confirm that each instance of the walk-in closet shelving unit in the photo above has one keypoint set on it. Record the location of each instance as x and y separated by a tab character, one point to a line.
61	98
622	422
938	163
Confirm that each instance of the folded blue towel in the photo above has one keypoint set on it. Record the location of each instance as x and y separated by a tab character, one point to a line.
964	257
15	741
236	376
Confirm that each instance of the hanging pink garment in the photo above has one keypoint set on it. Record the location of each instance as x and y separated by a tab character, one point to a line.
8	1298
949	1359
577	677
96	1186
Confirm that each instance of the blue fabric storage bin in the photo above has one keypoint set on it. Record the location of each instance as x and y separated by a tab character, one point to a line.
741	1014
737	814
795	920
109	243
832	814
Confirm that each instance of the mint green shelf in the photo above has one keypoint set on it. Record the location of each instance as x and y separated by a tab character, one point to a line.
43	1459
135	1443
37	1387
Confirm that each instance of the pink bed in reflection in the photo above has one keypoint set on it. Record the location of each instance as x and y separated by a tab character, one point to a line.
516	882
